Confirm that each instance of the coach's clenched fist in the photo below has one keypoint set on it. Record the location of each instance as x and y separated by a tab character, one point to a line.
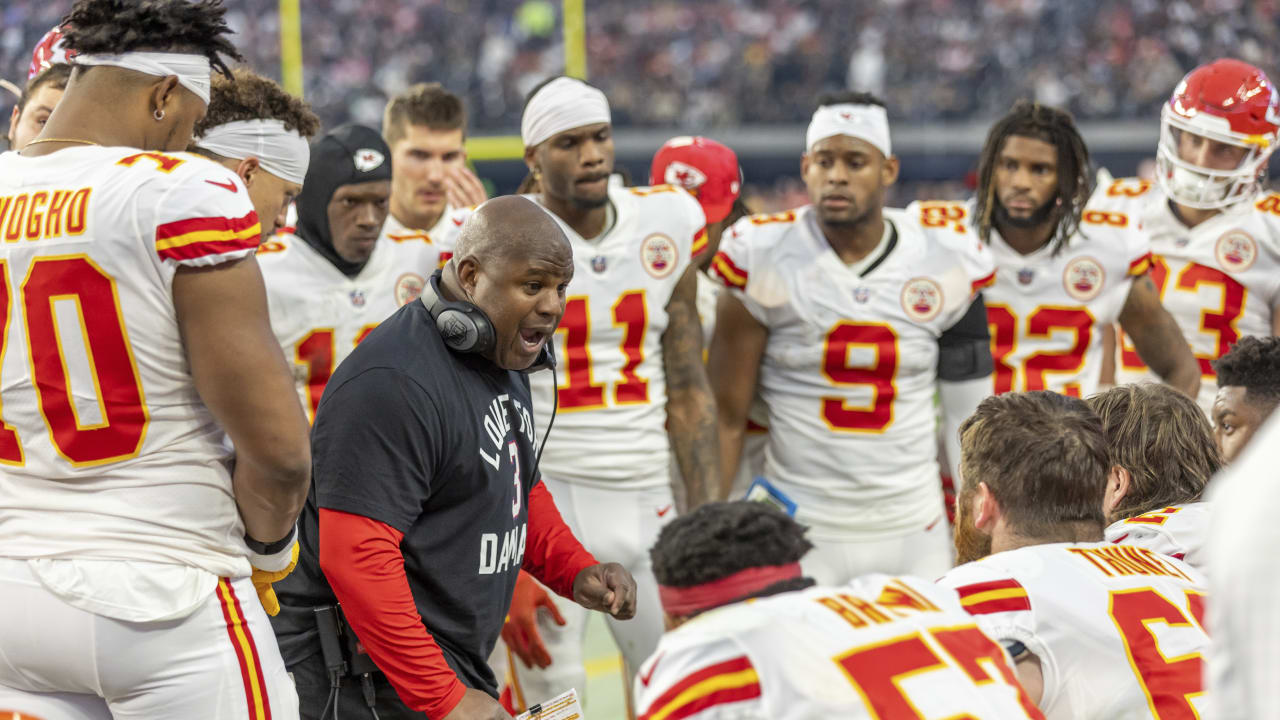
606	587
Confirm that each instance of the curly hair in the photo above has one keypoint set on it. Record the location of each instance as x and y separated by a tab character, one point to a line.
1053	126
1254	364
1163	439
721	538
247	95
117	26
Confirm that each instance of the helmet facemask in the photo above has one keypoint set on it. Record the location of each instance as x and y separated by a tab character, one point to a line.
1209	188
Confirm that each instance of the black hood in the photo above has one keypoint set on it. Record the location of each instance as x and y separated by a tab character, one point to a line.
346	155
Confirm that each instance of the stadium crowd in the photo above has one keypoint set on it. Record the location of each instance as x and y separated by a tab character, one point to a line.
724	63
300	423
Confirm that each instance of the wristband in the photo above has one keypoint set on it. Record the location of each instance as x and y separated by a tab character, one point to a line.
267	549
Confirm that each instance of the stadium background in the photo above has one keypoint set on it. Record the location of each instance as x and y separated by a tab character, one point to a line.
746	72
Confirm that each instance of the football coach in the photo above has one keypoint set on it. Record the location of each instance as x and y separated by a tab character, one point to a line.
426	500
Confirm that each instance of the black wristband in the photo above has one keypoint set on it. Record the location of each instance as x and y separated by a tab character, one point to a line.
261	548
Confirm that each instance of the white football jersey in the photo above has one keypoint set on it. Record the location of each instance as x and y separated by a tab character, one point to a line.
1179	531
1047	310
1119	630
880	647
610	428
1244	614
1220	280
850	368
107	451
319	314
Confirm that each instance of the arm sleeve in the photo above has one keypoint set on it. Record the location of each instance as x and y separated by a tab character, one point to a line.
374	447
964	349
362	560
205	219
553	556
714	678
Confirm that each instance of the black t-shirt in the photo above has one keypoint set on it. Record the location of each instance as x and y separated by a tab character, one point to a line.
438	445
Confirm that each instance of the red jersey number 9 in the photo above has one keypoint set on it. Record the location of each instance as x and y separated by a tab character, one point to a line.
879	375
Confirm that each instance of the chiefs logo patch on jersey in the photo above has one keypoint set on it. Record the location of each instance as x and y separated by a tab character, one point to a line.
1236	251
922	299
658	254
408	288
1083	278
368	160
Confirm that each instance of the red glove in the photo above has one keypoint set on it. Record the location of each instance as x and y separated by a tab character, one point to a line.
520	632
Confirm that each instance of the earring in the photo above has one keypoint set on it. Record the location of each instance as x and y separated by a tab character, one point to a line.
158	114
537	174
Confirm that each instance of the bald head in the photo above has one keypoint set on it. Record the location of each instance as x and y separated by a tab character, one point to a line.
512	228
513	262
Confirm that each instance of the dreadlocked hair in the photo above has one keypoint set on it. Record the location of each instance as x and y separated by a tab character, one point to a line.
247	95
1053	126
119	26
1254	364
722	538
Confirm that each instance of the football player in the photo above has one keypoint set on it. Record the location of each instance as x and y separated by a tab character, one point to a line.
1248	392
1215	233
1162	456
1096	630
335	279
1244	614
1063	274
425	127
749	637
259	131
631	386
137	341
849	319
710	172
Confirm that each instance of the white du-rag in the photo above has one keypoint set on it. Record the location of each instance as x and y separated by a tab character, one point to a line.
193	71
865	122
562	104
283	153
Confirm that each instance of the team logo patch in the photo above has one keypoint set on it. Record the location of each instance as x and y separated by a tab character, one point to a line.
658	254
922	299
1083	278
408	288
368	159
1025	276
357	298
1236	251
684	175
599	263
862	295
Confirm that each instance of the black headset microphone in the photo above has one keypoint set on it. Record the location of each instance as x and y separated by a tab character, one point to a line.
465	328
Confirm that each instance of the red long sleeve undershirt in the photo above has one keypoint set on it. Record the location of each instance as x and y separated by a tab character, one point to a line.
362	560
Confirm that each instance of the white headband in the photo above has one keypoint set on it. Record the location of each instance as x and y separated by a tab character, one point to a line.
562	104
283	153
865	122
193	71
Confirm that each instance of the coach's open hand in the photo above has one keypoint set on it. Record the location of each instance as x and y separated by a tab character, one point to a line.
606	587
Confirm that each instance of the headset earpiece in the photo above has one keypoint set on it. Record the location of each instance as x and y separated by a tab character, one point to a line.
463	326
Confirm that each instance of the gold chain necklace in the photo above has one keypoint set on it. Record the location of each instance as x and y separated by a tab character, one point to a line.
65	140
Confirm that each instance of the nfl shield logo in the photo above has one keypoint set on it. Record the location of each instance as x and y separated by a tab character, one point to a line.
861	294
357	298
598	263
1026	275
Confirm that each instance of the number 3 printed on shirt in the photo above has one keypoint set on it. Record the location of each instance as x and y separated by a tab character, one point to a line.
515	469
